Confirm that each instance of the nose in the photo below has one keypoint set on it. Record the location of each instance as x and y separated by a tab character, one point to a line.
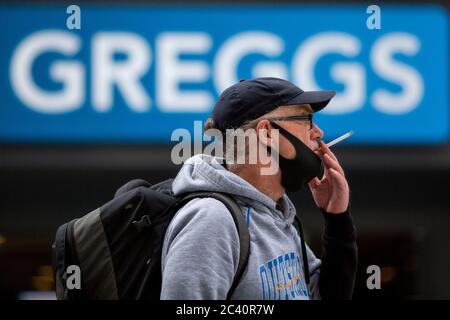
316	133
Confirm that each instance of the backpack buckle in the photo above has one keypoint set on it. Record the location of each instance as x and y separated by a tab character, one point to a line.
145	222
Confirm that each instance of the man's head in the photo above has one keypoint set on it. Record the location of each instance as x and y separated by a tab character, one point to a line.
264	104
250	99
298	120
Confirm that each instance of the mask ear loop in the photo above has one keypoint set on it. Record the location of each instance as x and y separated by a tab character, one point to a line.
284	133
292	138
269	148
276	126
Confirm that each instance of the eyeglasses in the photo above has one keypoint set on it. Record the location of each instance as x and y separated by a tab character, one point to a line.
307	117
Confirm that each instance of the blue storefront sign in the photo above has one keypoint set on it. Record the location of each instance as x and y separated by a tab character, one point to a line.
135	74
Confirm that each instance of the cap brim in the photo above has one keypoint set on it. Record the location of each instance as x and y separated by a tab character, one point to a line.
317	99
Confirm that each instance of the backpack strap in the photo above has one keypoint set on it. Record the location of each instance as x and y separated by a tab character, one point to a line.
241	225
298	225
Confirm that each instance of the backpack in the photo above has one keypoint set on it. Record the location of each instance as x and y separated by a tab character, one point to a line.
118	246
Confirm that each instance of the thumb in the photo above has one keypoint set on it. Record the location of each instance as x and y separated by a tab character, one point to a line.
314	182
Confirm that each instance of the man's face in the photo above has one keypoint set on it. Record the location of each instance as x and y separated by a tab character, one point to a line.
298	128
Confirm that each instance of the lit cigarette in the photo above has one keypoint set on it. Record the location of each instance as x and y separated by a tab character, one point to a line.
344	136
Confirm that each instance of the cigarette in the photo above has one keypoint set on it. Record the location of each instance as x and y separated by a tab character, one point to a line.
337	140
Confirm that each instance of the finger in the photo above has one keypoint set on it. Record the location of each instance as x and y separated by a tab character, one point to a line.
324	173
339	182
314	183
339	198
323	181
331	163
326	150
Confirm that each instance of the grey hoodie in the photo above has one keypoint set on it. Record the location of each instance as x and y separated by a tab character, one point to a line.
201	246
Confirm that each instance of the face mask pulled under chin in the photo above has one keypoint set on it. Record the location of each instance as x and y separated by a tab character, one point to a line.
297	172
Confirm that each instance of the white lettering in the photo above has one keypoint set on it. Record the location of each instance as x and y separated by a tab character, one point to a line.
125	74
70	74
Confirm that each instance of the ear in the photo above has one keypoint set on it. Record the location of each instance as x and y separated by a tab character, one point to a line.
264	131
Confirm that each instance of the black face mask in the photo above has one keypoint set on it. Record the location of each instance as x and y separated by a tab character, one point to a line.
297	172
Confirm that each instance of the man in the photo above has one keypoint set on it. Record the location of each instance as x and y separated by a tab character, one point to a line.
201	246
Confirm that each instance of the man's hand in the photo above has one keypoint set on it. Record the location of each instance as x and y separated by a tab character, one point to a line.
332	192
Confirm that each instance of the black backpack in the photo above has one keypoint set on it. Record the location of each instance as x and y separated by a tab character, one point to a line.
118	246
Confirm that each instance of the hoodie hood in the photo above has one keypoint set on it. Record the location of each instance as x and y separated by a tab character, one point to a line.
204	173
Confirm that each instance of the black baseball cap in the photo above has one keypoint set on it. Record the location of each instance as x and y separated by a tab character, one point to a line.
250	99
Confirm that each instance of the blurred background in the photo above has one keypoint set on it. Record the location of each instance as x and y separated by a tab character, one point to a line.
88	103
